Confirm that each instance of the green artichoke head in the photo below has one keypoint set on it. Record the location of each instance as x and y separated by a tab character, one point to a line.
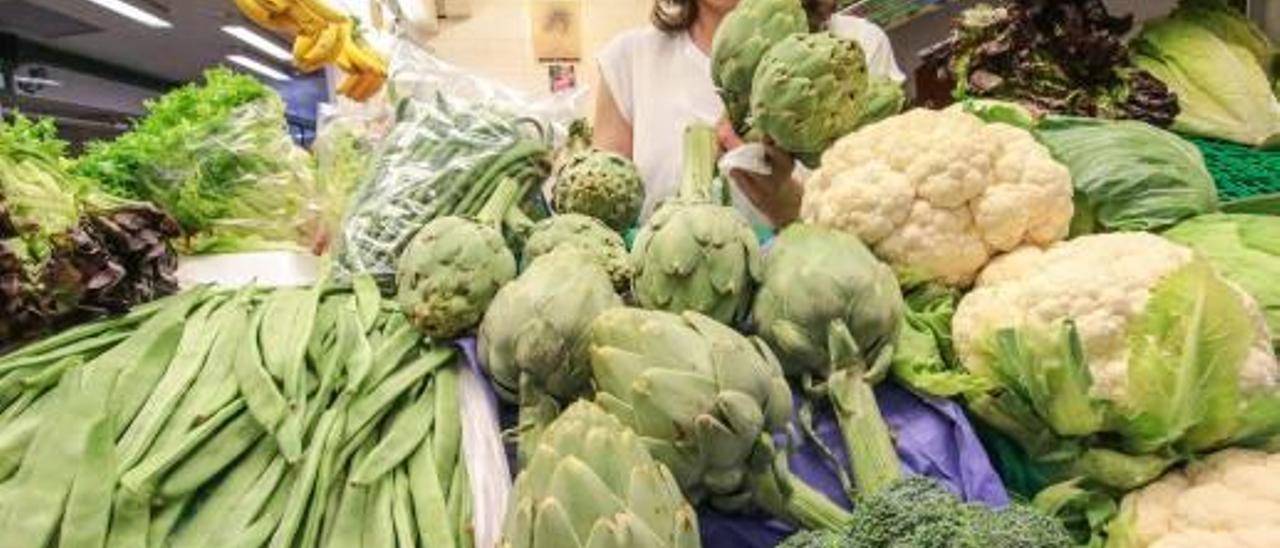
741	41
704	399
452	268
606	247
816	277
537	326
809	91
600	184
694	254
592	482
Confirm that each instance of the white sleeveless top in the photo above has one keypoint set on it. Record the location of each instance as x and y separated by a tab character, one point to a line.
661	83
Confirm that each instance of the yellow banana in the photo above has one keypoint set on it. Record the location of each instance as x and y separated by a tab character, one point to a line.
307	20
322	9
371	55
304	43
255	12
274	6
363	60
327	46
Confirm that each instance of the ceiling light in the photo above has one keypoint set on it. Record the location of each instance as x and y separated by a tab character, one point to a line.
38	81
125	9
258	67
264	44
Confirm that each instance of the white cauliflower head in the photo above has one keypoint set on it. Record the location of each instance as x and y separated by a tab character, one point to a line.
1103	284
1231	499
937	194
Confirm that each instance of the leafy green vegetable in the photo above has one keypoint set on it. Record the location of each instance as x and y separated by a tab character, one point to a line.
216	155
1245	249
1213	59
67	252
1129	175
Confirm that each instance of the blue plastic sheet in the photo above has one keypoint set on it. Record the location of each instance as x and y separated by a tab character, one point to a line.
933	438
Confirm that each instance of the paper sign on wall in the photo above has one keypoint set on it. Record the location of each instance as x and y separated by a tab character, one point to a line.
557	33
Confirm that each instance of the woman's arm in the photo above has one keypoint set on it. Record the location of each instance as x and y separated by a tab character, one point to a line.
612	131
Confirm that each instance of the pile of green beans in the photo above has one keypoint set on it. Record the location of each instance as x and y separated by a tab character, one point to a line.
300	417
439	159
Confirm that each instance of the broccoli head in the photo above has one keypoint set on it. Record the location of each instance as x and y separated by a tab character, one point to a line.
918	512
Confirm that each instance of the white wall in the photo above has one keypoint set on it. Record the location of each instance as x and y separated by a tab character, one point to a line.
495	41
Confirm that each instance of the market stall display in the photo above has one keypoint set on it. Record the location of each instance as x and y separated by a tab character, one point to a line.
1043	259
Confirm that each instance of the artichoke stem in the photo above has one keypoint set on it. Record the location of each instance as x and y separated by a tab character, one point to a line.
537	411
785	496
507	193
866	436
699	163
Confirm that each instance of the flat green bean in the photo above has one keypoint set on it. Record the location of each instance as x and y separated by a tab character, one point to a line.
447	437
196	343
88	507
142	478
430	509
256	385
215	454
379	524
402	510
130	522
303	487
369	406
163	524
368	298
405	433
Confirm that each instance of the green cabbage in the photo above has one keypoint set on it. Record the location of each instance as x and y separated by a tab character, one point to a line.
1218	65
1246	249
1129	175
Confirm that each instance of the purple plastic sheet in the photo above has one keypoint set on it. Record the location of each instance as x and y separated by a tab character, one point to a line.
933	436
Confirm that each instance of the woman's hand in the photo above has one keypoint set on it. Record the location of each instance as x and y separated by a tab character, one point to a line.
777	195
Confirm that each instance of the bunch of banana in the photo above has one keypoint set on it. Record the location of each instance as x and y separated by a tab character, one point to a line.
323	35
366	69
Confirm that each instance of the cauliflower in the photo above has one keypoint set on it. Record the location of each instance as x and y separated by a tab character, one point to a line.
1126	351
937	194
1102	283
1231	499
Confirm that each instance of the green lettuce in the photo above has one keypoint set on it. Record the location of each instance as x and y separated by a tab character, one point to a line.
218	157
1220	70
1129	176
1246	250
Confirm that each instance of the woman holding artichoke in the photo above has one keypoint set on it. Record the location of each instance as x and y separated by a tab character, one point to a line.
657	80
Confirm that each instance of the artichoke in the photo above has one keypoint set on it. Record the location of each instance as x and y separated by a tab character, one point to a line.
694	254
885	98
707	402
593	483
815	277
606	247
741	41
600	184
533	340
451	269
832	311
809	90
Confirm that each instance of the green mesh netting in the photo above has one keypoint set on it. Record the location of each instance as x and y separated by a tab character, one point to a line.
1240	171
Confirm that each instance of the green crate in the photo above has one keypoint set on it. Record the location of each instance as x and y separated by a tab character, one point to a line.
1240	171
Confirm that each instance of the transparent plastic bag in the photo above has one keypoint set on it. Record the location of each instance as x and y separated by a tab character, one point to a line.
347	135
244	184
486	458
454	136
